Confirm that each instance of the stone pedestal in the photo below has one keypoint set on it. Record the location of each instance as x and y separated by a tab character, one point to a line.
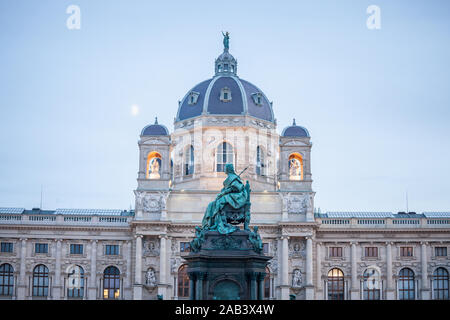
226	267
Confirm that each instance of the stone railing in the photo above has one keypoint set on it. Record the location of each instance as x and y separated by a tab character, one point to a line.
57	220
384	223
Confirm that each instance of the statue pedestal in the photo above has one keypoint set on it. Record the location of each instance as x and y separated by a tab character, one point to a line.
227	268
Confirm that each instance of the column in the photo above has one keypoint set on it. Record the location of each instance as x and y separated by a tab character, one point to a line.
284	259
162	266
57	283
390	292
261	277
137	287
309	286
92	289
354	290
253	289
22	287
199	285
128	284
318	271
191	286
424	269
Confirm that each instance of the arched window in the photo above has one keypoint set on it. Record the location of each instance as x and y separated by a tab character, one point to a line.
224	156
335	284
40	281
189	161
111	283
371	284
440	284
295	167
260	162
183	282
75	282
153	170
267	284
406	285
6	280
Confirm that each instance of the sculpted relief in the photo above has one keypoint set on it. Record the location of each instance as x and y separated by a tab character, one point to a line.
298	203
151	202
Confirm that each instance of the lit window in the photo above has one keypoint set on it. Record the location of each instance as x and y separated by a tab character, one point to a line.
41	248
440	284
6	247
6	280
111	283
267	284
371	284
153	165
111	250
406	285
75	282
335	284
183	282
40	281
295	167
224	156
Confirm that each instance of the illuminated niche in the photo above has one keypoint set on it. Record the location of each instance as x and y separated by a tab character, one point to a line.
153	165
295	167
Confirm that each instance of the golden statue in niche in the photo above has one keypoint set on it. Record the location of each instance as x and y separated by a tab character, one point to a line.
295	167
153	168
153	165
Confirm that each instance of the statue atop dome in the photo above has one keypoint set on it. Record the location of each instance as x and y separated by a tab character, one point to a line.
226	40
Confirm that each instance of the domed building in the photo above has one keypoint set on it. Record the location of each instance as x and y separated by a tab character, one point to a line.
139	254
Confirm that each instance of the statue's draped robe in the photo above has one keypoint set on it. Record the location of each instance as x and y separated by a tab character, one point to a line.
234	194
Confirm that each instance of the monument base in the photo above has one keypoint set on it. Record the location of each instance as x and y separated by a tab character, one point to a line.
227	267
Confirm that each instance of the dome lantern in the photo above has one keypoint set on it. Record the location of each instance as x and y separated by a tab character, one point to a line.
225	64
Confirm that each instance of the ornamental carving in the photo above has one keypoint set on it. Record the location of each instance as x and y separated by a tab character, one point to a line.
175	263
226	243
296	203
150	248
151	202
297	249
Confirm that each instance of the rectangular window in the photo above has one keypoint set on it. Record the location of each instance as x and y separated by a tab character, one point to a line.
112	250
185	247
335	252
440	251
265	248
406	251
41	248
371	252
6	247
76	249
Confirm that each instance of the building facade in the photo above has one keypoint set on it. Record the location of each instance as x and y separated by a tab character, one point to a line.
139	254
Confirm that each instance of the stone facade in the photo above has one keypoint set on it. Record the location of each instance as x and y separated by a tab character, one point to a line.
140	254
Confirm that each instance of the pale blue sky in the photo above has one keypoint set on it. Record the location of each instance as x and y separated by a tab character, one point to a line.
376	102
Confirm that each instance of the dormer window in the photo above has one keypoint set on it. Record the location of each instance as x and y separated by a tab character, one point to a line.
257	98
193	97
225	67
225	95
219	68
